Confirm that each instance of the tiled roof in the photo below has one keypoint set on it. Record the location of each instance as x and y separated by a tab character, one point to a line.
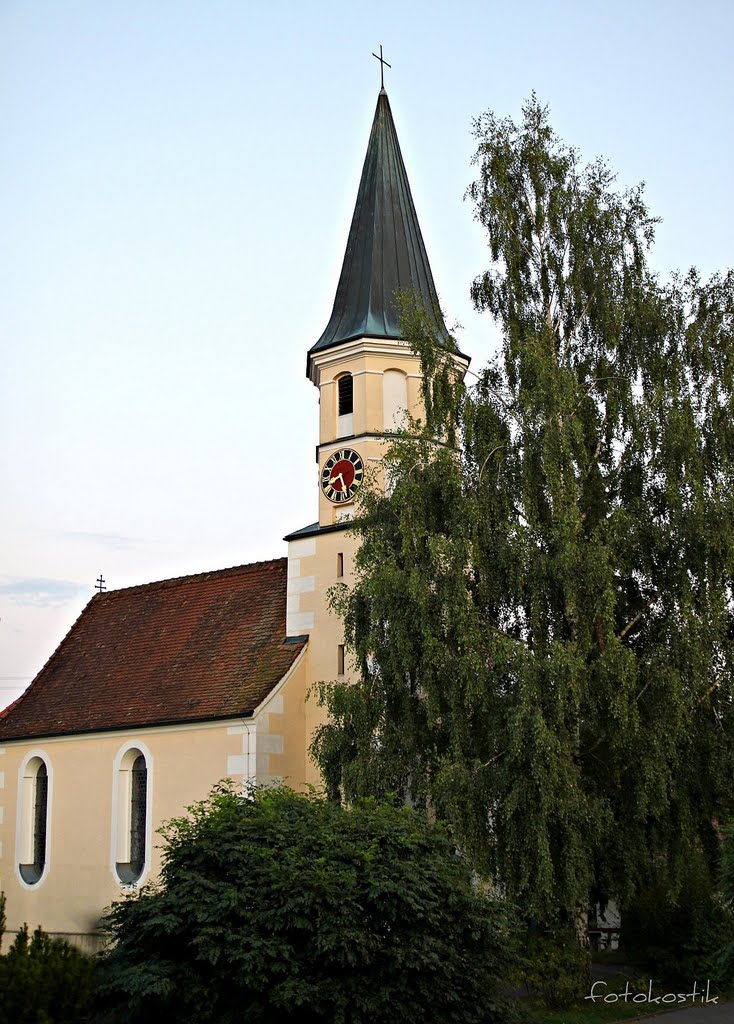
197	647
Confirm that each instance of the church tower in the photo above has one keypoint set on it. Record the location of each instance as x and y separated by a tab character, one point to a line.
368	379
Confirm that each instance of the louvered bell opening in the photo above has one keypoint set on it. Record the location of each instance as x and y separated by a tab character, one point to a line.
346	394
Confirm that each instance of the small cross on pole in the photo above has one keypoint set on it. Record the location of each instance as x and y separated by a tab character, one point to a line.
382	67
100	584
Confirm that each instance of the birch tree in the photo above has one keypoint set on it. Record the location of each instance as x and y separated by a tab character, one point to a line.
542	622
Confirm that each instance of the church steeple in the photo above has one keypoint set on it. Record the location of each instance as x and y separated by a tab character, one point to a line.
385	251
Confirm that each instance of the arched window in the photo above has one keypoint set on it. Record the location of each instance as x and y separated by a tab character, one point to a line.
346	394
394	399
345	405
132	816
33	820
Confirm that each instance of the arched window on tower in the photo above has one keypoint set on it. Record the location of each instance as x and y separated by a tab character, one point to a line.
345	405
132	816
33	820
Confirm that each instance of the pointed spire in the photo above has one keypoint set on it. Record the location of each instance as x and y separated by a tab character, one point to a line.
385	251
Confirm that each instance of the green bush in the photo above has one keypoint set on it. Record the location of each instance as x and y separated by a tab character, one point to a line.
679	940
44	981
725	955
285	907
554	968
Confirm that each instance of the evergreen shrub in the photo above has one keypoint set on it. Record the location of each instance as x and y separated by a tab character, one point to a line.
44	981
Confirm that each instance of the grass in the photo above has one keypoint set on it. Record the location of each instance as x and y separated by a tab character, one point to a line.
610	1013
598	1013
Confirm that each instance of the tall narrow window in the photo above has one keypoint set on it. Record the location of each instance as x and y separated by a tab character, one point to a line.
340	659
132	816
40	817
33	820
346	394
340	564
345	405
138	799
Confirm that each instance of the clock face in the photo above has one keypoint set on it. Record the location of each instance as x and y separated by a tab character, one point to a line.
341	476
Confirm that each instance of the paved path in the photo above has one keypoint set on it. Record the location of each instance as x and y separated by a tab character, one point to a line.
612	978
714	1013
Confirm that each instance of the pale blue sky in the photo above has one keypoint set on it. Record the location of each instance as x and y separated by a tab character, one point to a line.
176	183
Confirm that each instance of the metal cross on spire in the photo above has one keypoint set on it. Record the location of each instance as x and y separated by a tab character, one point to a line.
100	583
382	67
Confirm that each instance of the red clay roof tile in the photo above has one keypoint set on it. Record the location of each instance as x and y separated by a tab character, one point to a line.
197	647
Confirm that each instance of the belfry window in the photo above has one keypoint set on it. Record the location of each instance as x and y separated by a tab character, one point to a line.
346	394
132	816
345	405
33	820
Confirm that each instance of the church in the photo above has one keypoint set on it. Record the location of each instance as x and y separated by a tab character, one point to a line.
160	691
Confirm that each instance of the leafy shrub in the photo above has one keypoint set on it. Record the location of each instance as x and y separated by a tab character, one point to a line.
286	907
678	940
725	955
44	981
555	968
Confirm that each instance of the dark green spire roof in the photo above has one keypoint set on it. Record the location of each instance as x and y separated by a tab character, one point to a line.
385	250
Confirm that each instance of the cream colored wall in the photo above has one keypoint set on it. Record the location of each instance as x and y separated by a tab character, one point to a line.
315	559
281	730
184	763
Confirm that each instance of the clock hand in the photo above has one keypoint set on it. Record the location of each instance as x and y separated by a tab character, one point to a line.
338	476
